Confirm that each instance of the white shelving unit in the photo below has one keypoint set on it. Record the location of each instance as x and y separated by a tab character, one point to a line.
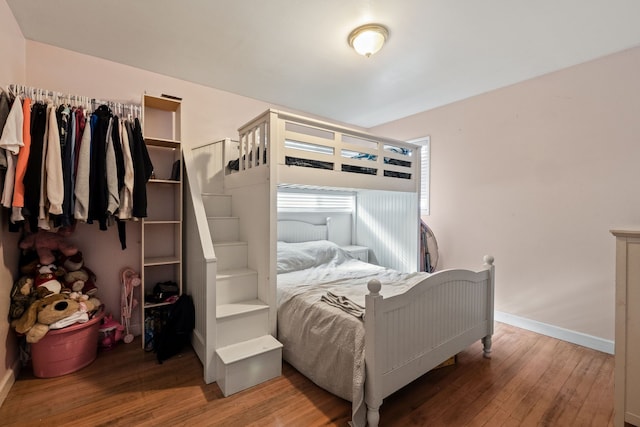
162	228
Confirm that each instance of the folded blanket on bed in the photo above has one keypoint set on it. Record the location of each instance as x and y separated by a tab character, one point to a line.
344	304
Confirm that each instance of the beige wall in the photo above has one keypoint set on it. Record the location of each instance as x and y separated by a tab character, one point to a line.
12	70
537	174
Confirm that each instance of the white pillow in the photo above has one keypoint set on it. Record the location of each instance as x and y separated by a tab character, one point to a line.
303	255
290	258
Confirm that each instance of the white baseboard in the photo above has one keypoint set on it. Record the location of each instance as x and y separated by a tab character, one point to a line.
8	380
574	337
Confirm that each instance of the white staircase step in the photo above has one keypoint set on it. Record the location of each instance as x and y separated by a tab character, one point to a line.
248	363
239	308
241	321
236	285
231	255
217	204
224	229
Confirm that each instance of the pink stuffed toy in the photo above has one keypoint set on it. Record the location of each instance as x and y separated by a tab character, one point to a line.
111	332
45	242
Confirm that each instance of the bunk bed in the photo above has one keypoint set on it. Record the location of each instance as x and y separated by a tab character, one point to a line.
297	149
362	331
401	335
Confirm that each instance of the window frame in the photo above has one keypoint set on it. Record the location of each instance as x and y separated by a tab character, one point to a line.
425	173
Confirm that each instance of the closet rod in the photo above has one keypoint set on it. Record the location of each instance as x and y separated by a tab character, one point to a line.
38	94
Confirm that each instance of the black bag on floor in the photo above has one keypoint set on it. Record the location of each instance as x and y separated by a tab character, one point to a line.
176	334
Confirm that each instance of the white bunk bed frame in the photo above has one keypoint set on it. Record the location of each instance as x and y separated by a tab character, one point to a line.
438	318
288	136
262	151
409	334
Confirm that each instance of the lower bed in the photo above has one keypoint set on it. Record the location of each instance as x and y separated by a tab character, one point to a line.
322	323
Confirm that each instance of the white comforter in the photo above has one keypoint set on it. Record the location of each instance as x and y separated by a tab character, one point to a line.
321	341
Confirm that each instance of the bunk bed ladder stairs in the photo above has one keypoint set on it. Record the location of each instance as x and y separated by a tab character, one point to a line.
246	354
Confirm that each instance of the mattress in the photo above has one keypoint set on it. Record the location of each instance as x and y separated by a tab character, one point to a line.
322	341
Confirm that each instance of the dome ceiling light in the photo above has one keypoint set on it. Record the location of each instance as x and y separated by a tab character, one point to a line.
368	39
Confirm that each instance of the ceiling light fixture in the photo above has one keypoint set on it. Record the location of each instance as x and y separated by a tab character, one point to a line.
368	39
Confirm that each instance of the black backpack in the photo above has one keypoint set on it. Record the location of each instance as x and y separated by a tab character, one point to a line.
176	334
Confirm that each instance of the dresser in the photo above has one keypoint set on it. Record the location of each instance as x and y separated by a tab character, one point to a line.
627	339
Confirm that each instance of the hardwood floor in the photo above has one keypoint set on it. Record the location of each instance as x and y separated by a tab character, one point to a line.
532	380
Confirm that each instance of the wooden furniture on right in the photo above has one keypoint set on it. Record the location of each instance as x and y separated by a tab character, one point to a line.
627	339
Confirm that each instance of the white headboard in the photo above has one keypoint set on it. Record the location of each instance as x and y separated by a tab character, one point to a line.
294	231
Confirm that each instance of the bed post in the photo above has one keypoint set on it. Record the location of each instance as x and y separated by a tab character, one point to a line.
486	340
372	340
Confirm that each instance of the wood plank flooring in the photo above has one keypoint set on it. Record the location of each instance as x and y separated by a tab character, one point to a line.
531	380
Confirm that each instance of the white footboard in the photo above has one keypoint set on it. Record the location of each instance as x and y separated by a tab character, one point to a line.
409	334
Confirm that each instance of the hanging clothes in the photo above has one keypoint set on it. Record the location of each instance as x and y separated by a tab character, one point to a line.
115	176
5	106
66	164
54	190
113	198
142	169
126	193
11	142
81	208
21	166
98	190
33	172
118	153
66	123
80	124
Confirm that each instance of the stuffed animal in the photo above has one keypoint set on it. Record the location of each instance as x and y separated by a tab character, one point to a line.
21	296
87	303
47	278
42	313
110	331
45	242
29	263
78	277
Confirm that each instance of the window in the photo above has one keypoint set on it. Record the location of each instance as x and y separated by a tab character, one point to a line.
425	167
290	200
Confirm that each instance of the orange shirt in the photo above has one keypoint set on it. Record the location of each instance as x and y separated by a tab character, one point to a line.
23	155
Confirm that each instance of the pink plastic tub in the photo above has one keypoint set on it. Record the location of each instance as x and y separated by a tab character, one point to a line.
66	350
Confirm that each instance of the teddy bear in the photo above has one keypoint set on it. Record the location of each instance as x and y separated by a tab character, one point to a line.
34	323
87	303
45	243
78	277
48	278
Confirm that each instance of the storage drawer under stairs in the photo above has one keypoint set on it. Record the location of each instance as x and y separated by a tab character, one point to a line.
248	363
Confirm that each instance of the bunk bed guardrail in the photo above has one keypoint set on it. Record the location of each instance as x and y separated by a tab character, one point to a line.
304	147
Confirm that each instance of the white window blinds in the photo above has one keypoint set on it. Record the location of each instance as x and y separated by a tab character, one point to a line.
297	201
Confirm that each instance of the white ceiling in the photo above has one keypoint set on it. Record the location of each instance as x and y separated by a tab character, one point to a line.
295	53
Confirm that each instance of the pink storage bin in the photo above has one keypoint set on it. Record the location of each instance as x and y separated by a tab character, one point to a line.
66	350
